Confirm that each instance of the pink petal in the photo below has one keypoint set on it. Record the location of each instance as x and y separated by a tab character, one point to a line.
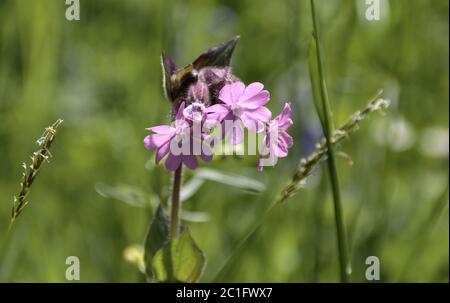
173	162
156	140
182	125
216	113
287	139
285	124
251	124
262	114
256	101
207	153
162	129
162	151
230	93
236	134
286	112
180	115
254	96
283	119
190	161
148	143
252	89
280	153
206	158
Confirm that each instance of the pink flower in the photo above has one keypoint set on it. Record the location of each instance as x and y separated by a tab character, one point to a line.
277	141
191	133
244	105
195	112
177	141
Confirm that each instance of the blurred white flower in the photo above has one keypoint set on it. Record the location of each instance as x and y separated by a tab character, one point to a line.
434	142
396	133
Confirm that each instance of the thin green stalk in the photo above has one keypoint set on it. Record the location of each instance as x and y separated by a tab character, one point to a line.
345	267
175	205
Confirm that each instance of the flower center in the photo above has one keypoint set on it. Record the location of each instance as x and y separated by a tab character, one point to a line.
194	111
236	109
181	131
181	136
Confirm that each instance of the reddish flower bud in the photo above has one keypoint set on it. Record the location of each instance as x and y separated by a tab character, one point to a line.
216	78
198	93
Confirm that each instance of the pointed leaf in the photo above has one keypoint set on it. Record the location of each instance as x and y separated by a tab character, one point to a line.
129	194
168	68
234	180
158	235
190	188
315	80
219	55
181	260
194	216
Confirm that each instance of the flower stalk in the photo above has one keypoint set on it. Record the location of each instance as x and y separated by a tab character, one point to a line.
175	203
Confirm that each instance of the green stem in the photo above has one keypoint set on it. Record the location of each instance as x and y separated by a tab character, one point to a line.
345	267
175	205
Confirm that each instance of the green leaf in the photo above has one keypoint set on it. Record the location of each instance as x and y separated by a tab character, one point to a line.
158	235
194	216
190	188
219	55
181	260
237	181
315	80
129	194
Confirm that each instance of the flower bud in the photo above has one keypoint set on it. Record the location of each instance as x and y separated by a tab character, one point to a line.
214	75
198	93
181	84
216	78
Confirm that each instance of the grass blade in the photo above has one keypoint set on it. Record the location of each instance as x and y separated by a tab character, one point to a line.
324	112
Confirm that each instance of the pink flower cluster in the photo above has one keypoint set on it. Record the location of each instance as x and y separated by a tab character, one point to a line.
242	107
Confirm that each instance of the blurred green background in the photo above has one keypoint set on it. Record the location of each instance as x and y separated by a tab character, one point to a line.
102	76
